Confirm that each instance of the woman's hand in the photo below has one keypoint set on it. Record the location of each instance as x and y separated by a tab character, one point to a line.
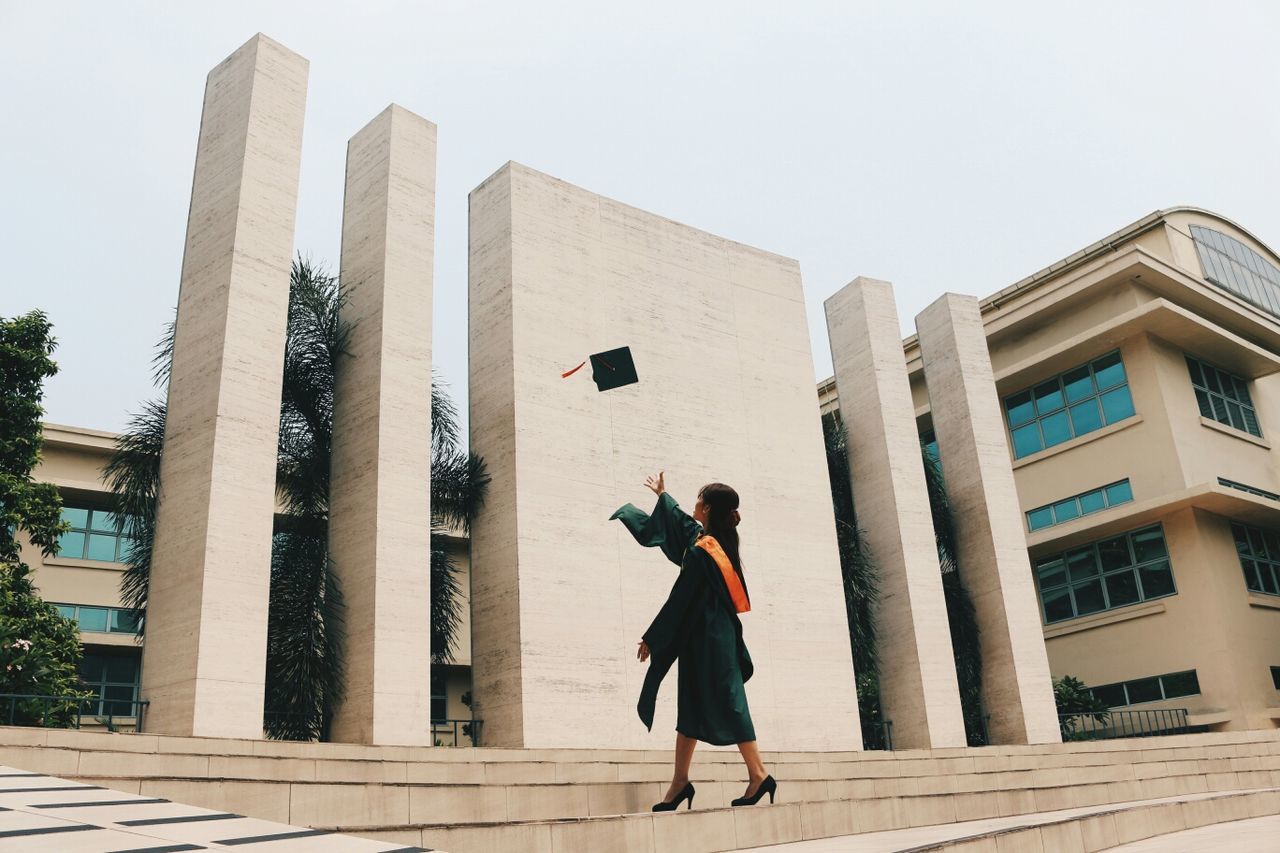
642	653
656	483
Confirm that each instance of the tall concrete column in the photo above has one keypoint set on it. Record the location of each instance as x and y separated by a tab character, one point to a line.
380	490
205	658
992	548
918	688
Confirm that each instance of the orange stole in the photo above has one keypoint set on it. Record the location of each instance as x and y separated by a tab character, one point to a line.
736	593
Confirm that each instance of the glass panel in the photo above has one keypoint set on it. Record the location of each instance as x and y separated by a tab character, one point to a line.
1242	537
1275	676
77	517
102	547
1202	401
123	622
1057	604
71	545
1092	502
1236	414
122	670
1019	408
1251	423
1268	573
1048	397
1256	544
1242	391
1122	588
1089	597
1078	384
1273	547
1082	564
1180	684
1109	370
1197	376
91	667
67	611
1052	573
1111	694
93	618
1040	518
1144	690
1117	404
1119	493
1219	409
1026	440
1085	417
1065	510
102	520
1056	429
1211	380
1148	544
1114	553
1157	580
1251	579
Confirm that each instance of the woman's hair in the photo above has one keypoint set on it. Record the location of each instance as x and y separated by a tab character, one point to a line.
722	521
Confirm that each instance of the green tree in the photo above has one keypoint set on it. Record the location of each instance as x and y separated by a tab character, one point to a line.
1078	708
39	649
305	630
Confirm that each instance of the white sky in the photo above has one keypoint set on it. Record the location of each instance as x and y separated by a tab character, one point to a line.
942	146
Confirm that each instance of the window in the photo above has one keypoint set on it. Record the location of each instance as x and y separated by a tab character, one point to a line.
439	697
1236	268
1104	575
1259	552
113	678
1275	676
1223	397
1074	403
1262	493
1153	689
109	620
1084	503
93	536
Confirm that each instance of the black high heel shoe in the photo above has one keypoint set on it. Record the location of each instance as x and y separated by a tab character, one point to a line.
768	785
685	792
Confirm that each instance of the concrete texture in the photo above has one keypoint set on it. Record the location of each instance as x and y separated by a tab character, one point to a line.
380	494
918	689
204	662
560	594
991	545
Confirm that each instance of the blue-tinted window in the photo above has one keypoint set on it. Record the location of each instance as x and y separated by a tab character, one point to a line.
93	536
1094	500
1112	573
114	620
1072	404
1151	689
1236	268
1259	552
1223	397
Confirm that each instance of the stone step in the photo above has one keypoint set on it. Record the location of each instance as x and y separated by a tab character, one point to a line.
892	824
1082	830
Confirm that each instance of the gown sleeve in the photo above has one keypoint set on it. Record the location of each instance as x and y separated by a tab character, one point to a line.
668	528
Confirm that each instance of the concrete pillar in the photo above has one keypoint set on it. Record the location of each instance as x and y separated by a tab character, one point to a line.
918	689
992	547
561	594
380	492
205	657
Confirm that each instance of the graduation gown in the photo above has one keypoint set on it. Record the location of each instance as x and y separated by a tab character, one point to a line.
699	627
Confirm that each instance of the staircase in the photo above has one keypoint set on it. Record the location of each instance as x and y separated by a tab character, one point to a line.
1084	796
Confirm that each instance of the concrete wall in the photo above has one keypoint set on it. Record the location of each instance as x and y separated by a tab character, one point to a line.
726	392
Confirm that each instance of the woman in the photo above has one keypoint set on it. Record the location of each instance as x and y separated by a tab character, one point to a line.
699	626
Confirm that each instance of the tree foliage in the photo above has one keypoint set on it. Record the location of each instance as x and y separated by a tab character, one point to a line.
39	649
305	631
1076	705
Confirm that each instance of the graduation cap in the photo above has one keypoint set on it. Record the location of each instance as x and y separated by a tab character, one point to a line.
611	369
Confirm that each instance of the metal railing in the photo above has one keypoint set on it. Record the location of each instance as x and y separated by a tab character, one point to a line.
1106	725
878	734
70	712
456	732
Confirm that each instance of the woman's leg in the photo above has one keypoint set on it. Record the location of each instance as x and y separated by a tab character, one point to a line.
684	757
755	767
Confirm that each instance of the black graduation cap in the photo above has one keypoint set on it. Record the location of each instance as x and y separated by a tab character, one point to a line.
611	369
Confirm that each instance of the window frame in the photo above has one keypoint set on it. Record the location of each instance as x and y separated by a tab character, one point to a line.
100	701
1210	402
112	613
1164	697
123	541
1066	408
1271	563
1101	573
1052	506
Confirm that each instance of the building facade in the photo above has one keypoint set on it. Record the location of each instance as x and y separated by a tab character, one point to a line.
1138	384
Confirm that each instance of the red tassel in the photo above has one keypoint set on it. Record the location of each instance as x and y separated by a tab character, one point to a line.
571	372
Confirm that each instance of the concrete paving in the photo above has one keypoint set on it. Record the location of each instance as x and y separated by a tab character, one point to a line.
1256	835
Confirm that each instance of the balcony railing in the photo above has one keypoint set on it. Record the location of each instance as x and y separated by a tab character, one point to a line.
456	732
1106	725
70	712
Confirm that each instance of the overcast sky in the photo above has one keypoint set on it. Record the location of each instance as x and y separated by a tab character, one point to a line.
941	146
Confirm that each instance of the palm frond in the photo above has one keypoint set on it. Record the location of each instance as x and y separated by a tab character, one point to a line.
446	592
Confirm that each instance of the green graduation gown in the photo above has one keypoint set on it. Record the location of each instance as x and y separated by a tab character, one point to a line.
697	626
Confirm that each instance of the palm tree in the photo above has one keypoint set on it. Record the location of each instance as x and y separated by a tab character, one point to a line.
304	678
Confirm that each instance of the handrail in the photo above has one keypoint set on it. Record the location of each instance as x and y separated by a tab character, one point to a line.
47	705
1109	725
